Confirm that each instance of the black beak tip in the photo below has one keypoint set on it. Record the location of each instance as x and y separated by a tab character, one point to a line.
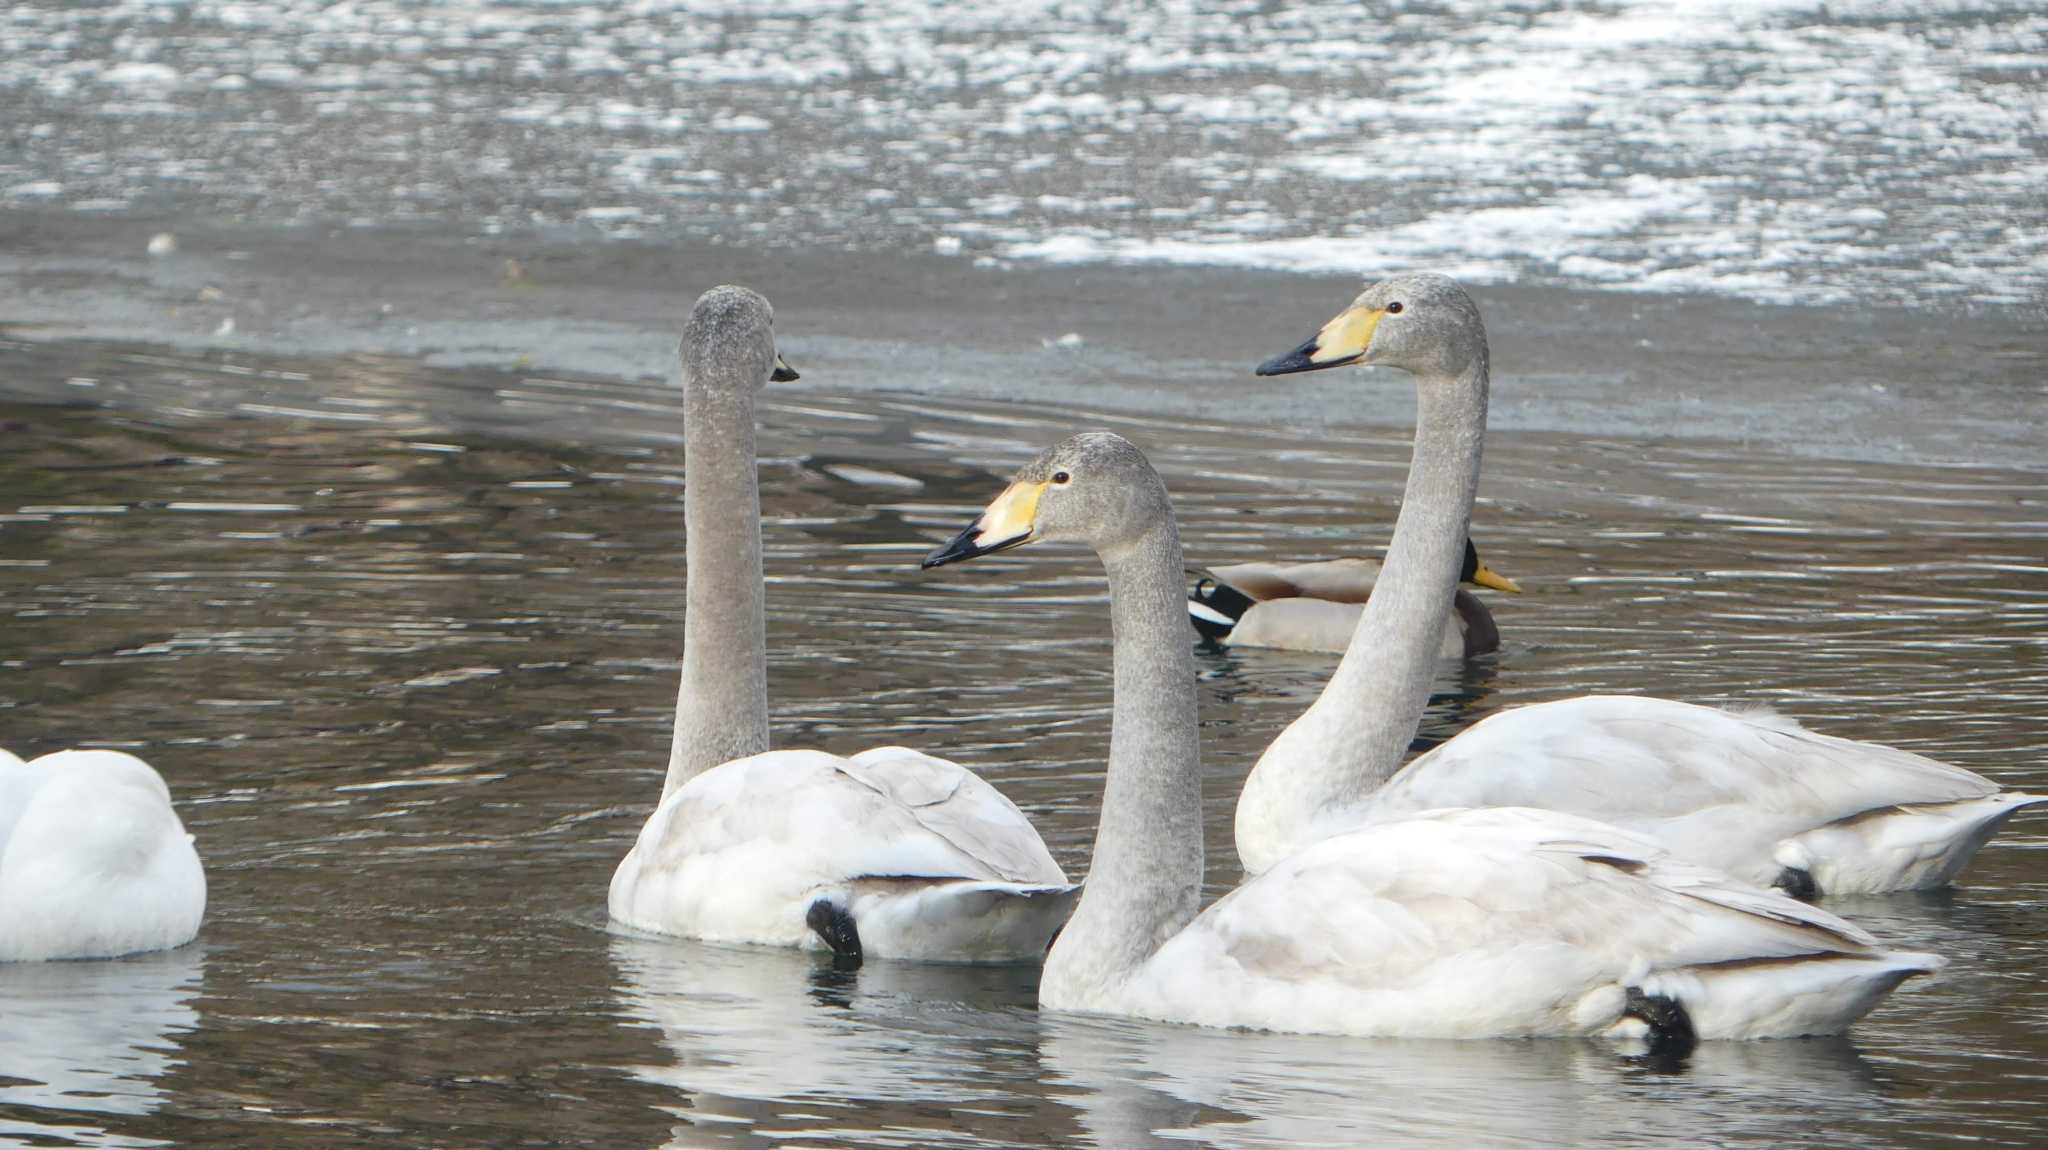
783	373
1300	359
959	547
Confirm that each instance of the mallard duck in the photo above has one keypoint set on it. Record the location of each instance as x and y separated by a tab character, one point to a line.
1315	606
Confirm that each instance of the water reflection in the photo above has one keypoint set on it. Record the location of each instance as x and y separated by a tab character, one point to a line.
1135	1084
83	1040
771	1044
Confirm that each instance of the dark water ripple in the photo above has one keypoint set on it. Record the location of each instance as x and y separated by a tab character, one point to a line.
410	675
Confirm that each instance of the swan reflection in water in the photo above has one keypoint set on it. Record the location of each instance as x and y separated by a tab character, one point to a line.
81	1041
773	1045
1138	1084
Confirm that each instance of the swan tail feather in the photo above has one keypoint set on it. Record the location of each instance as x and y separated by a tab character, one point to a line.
1918	846
959	920
1784	998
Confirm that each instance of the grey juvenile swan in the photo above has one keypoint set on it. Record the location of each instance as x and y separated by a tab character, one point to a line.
890	853
1749	793
1452	924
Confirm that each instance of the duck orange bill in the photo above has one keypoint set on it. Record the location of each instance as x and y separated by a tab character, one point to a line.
1343	340
1484	576
783	373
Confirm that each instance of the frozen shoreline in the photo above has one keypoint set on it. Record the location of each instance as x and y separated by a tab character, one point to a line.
1853	383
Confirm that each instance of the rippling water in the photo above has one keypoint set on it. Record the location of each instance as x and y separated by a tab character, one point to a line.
409	677
1798	150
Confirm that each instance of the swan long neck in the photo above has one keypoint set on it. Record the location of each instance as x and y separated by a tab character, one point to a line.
1382	684
1355	735
722	705
1145	882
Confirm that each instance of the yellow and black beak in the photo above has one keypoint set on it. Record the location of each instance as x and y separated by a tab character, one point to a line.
783	373
1476	572
1343	340
1484	576
1008	522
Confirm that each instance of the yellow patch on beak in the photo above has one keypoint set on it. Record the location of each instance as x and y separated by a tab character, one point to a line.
1012	517
1008	522
1345	338
1485	576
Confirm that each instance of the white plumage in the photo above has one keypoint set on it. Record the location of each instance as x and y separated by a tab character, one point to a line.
1503	922
891	853
1751	793
93	861
931	862
1468	923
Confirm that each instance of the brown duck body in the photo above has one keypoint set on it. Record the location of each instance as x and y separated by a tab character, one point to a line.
1315	606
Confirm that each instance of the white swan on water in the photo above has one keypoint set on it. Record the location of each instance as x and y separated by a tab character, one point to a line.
1451	924
93	861
890	853
1746	792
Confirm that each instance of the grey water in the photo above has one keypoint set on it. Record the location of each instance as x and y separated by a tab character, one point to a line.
410	675
1810	151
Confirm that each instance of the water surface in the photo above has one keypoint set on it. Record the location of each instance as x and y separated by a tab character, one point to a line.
410	679
1838	151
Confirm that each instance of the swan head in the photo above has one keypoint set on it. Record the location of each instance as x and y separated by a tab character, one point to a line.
729	341
1095	488
1421	322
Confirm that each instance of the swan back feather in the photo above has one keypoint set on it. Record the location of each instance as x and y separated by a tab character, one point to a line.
1500	922
740	853
1718	787
94	862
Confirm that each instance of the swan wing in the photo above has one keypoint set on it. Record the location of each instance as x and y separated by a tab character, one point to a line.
1490	923
17	783
742	852
962	808
94	862
1718	787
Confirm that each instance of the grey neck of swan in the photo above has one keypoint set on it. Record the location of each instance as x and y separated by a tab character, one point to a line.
722	706
1374	702
1145	881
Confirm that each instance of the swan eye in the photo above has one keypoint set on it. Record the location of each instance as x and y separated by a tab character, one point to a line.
1394	308
1061	477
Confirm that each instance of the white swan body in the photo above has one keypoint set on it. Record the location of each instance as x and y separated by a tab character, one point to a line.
929	861
93	861
892	853
1501	923
1446	924
1752	794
